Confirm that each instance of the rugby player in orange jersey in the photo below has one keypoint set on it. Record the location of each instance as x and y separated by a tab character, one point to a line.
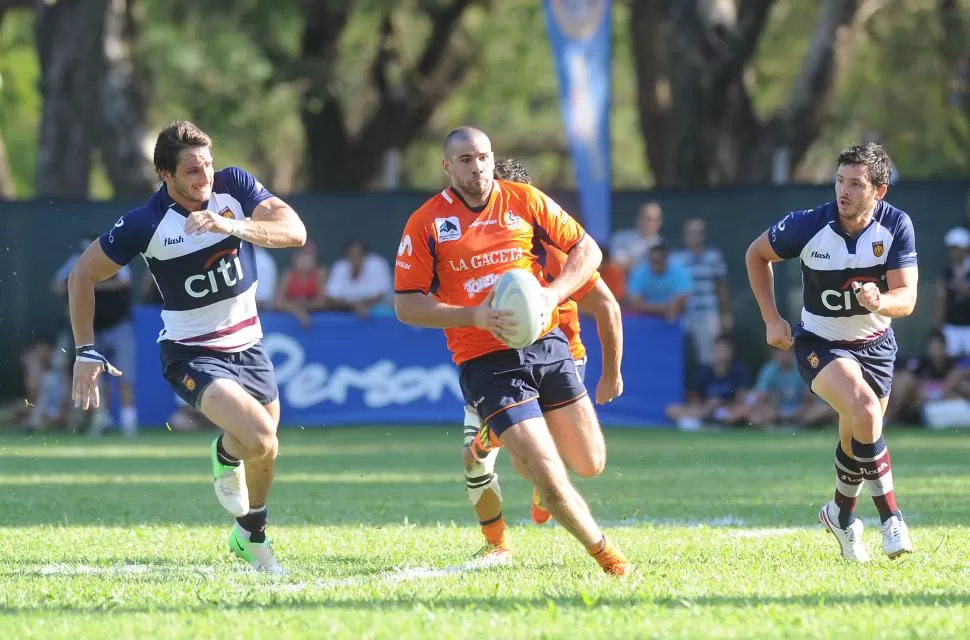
454	249
481	481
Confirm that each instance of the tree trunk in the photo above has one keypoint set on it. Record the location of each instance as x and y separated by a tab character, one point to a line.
8	190
341	159
704	131
68	36
123	137
90	100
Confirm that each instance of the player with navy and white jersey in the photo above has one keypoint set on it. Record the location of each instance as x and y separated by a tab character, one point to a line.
858	257
196	234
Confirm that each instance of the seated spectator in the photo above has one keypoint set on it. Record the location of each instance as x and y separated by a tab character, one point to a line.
932	377
188	418
719	391
953	293
614	276
780	396
35	360
267	276
630	247
303	285
360	282
659	288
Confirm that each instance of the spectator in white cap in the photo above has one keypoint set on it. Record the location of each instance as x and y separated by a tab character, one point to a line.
953	294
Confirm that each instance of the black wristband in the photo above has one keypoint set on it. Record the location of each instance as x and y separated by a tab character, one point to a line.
84	347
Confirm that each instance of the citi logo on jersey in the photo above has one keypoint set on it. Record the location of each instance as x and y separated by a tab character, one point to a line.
229	268
842	299
502	256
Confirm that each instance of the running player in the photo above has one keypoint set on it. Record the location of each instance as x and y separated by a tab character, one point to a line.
859	270
454	249
196	235
481	480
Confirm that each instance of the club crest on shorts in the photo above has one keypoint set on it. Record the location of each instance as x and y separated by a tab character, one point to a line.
813	360
189	383
878	248
227	213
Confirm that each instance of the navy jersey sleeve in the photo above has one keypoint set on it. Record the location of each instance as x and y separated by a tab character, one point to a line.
789	235
130	235
244	187
902	252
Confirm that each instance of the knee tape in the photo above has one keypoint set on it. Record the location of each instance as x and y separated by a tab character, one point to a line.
481	476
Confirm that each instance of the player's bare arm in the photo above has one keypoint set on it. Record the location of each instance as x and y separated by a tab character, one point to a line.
582	260
603	306
92	267
899	301
420	310
758	259
274	225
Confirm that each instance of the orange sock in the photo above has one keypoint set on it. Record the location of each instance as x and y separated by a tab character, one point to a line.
494	531
609	557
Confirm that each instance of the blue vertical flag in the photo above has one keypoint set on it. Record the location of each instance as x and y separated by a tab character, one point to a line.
580	32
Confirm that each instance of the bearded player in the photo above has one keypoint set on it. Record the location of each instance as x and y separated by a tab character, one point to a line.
454	249
858	258
594	297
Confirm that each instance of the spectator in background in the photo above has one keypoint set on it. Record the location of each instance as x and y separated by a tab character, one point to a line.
35	361
268	275
114	335
709	306
718	393
629	247
953	293
780	396
360	282
658	287
302	287
932	377
614	276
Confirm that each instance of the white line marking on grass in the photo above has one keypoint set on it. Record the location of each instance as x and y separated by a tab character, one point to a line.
119	570
737	526
397	576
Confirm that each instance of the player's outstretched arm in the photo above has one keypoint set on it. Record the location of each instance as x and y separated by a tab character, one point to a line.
91	268
602	304
420	310
758	259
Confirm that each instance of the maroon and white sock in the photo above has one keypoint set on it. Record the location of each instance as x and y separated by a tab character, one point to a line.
877	469
848	486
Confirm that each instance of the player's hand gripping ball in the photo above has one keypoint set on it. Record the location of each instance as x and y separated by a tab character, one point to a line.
519	293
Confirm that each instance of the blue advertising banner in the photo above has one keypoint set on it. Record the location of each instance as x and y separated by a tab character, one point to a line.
344	370
580	32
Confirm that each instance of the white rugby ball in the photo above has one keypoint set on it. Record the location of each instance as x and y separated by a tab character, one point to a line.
520	292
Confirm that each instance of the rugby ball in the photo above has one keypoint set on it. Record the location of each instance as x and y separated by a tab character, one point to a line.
520	292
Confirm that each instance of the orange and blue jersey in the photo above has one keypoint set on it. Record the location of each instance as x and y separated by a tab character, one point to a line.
458	253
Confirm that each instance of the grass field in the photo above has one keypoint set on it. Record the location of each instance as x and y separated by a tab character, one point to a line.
116	539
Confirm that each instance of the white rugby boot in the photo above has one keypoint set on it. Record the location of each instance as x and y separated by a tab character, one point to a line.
895	538
850	538
230	484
